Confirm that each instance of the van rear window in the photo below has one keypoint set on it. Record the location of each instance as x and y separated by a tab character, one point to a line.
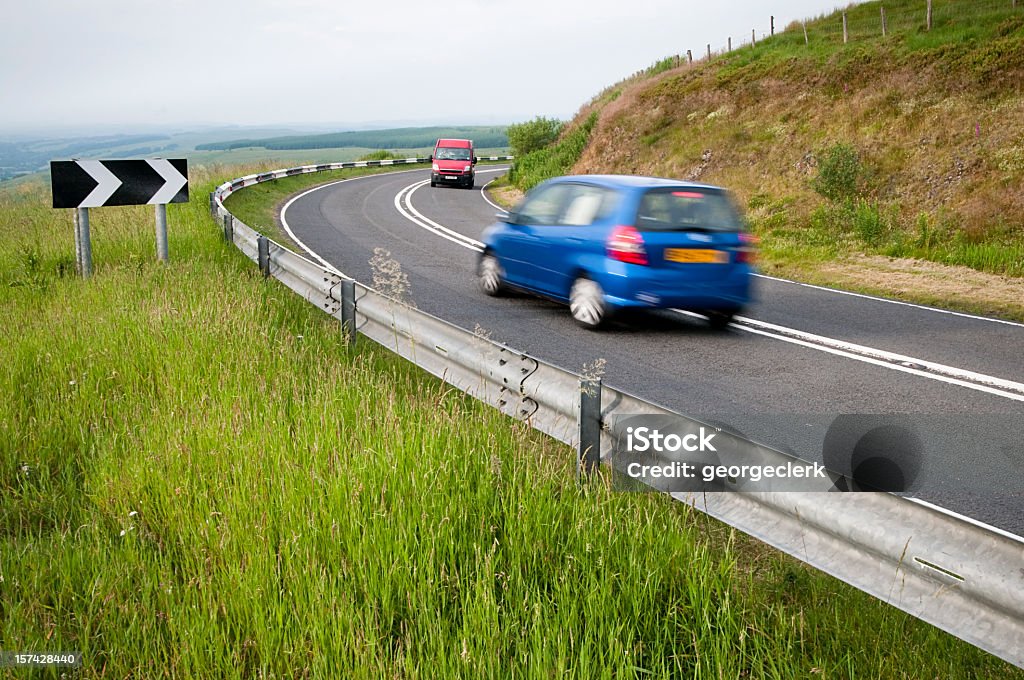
688	208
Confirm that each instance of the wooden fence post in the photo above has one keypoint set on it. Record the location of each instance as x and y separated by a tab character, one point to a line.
753	37
773	24
883	21
929	17
845	34
806	41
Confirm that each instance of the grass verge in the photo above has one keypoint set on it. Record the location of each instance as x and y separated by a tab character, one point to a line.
199	478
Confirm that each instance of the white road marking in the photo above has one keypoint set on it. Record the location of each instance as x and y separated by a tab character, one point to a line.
877	357
892	302
483	193
403	204
969	520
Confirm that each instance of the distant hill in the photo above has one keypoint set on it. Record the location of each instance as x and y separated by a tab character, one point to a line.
23	157
398	138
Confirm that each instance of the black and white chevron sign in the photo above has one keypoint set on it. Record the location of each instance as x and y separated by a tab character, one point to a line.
94	184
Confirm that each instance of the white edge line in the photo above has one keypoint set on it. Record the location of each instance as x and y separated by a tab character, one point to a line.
892	302
867	359
943	369
965	518
483	193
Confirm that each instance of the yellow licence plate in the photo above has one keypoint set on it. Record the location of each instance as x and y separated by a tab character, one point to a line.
691	255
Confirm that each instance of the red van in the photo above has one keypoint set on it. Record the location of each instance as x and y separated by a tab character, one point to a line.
453	163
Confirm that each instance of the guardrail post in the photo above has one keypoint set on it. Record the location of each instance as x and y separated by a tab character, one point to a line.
263	254
213	204
589	419
348	310
229	228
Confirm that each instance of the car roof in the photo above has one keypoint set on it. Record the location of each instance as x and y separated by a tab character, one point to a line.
633	181
455	143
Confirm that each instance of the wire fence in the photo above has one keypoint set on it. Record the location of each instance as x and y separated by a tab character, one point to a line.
859	22
855	23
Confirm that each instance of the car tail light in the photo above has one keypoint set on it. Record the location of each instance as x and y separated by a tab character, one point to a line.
748	253
627	245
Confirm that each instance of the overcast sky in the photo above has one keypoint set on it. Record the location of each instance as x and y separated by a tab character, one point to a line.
178	63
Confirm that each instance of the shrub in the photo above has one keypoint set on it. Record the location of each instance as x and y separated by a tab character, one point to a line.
533	135
868	223
839	173
535	167
381	155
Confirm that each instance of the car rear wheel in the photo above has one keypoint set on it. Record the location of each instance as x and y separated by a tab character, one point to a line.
720	319
492	280
587	305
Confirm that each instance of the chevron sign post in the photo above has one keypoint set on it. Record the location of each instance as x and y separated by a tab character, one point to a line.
95	184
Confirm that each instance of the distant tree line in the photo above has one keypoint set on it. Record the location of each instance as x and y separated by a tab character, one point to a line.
398	138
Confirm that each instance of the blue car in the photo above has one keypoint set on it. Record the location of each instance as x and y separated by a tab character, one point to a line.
605	243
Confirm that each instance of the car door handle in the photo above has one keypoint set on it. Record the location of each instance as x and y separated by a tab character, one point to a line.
573	239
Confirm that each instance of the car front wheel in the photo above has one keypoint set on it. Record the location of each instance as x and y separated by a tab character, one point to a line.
492	280
587	305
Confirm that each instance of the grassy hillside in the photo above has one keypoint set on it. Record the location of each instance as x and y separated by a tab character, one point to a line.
904	146
199	478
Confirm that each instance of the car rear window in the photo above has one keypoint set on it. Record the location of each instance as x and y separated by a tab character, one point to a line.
688	209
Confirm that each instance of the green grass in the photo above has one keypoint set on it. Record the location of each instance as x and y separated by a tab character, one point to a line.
200	478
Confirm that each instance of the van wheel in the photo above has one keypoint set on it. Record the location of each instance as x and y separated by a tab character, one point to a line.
470	185
433	183
492	280
587	305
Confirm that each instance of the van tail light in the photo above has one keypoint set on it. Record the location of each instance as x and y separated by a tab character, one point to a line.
627	245
748	253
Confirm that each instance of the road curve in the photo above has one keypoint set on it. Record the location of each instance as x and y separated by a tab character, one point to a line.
804	355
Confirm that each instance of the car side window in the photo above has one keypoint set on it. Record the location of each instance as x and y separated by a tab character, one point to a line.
545	205
581	207
585	204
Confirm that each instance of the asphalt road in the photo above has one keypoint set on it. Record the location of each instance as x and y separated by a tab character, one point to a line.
823	366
